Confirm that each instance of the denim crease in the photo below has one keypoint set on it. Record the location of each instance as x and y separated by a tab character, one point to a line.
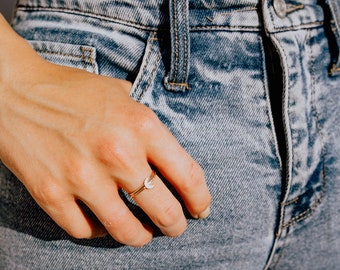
202	67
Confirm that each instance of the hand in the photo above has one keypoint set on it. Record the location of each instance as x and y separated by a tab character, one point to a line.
69	135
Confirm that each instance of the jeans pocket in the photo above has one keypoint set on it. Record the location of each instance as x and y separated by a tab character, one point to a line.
148	68
71	55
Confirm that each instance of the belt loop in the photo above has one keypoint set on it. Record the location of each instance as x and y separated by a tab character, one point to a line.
334	7
177	79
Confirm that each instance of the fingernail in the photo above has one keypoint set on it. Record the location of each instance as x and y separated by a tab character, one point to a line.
101	232
101	235
205	213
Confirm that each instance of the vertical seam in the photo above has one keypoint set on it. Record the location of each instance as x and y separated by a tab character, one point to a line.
176	39
267	98
147	59
286	126
85	58
283	246
308	212
151	77
185	64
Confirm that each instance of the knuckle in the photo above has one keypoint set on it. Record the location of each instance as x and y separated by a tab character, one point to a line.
195	179
78	171
119	228
114	222
114	152
47	193
148	121
170	216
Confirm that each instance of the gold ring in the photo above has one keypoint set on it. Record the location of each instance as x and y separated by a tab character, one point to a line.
147	184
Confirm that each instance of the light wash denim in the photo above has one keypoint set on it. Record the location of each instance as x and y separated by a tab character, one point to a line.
250	88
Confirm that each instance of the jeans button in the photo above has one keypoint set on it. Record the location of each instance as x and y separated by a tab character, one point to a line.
280	8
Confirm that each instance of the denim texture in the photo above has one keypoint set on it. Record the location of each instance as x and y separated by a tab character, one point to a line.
212	88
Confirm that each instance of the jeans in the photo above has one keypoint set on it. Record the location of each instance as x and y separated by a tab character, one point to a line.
250	88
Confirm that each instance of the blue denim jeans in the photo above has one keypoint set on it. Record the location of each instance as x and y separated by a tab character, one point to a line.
250	88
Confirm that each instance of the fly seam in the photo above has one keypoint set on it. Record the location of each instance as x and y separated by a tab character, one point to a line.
291	201
302	216
289	154
283	246
308	212
267	98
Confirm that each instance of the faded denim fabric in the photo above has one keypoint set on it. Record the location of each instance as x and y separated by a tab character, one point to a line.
272	164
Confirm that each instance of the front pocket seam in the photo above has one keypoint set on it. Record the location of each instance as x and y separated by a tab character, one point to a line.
85	59
136	92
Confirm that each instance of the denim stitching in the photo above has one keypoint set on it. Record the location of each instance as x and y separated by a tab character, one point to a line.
179	84
283	246
151	77
176	40
273	254
154	28
225	27
184	74
300	26
294	27
92	15
145	66
85	59
290	154
334	67
308	212
211	19
291	201
147	59
266	96
291	8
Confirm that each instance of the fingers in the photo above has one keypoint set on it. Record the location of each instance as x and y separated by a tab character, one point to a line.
158	203
124	162
174	163
69	215
162	207
118	220
178	167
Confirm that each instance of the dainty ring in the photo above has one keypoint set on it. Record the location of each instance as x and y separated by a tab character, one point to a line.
147	184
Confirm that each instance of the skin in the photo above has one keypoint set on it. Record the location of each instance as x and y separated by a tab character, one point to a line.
66	146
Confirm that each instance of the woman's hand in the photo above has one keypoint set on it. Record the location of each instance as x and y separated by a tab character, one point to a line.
69	135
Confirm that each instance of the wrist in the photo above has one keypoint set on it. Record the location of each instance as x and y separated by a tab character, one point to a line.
18	60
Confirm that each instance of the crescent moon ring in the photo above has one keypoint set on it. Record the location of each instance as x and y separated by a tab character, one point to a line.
147	184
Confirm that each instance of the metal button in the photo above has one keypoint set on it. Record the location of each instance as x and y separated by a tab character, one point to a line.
280	8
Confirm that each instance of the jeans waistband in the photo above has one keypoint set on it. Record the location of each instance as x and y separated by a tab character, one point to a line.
182	16
154	14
